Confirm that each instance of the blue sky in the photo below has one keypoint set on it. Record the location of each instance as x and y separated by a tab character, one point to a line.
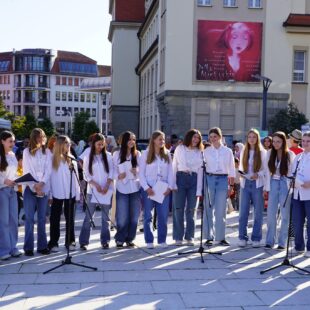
71	25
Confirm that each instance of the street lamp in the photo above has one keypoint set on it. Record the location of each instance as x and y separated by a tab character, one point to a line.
266	84
70	115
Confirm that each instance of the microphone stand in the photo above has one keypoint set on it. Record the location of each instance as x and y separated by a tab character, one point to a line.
68	259
201	249
286	261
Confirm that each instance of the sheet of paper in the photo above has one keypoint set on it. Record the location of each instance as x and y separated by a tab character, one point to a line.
159	188
26	178
126	167
104	199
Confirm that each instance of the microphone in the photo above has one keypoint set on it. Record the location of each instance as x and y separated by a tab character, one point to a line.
70	157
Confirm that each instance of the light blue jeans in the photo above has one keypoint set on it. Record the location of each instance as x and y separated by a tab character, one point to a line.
162	218
8	221
184	199
31	204
105	232
214	218
127	214
251	194
276	199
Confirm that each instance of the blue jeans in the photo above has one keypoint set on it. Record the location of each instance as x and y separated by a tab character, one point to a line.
127	214
251	194
301	210
105	232
31	204
214	218
8	221
184	196
276	199
162	217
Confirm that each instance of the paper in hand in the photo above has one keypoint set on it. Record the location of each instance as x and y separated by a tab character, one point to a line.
126	167
104	199
159	189
26	178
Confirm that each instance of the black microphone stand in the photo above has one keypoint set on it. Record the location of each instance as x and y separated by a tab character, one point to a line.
68	259
201	249
286	261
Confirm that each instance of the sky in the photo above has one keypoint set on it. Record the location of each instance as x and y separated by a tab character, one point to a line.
69	25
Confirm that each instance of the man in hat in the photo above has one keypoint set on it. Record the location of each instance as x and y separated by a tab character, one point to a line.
295	139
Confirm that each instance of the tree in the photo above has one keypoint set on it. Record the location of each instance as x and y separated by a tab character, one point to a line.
47	126
79	122
30	123
287	120
4	113
90	128
18	127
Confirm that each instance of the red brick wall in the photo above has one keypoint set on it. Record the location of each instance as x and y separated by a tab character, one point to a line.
129	10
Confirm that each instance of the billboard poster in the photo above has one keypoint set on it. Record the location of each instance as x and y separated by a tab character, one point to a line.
228	50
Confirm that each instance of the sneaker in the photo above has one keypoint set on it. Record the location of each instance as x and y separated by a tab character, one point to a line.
297	252
44	251
29	252
209	242
83	247
150	246
163	245
119	244
130	244
16	253
224	243
242	243
268	246
256	244
54	249
280	248
105	246
5	257
189	243
71	246
307	254
178	242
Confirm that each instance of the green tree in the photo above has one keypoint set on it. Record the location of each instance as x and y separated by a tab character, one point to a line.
287	120
30	123
90	128
80	119
47	126
4	113
18	127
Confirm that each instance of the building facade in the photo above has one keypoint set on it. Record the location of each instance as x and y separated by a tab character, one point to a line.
193	71
47	84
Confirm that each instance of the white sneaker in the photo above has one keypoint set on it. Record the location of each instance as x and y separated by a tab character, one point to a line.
55	249
150	245
297	252
16	253
163	245
5	257
189	242
242	243
178	242
307	254
256	244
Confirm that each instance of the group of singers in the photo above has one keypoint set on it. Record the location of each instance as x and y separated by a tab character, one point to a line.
193	172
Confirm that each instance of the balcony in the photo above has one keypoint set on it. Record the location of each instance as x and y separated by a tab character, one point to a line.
44	100
44	85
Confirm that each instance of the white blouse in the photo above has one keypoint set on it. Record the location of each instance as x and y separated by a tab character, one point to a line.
100	176
302	175
61	179
188	160
10	172
268	175
261	173
126	185
158	170
39	166
219	160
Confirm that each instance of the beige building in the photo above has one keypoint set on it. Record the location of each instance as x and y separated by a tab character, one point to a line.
180	89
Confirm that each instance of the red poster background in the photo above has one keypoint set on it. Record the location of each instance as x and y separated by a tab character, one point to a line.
219	58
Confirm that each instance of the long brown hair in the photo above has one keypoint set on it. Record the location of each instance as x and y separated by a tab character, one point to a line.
59	151
163	153
189	136
257	153
3	136
33	144
285	158
97	137
125	137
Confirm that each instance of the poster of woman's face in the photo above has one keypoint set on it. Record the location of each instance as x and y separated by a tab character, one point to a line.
228	50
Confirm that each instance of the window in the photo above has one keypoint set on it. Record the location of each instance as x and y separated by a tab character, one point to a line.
57	80
64	81
4	65
76	97
299	66
1	79
93	112
70	81
88	111
204	2
70	96
57	95
230	3
94	98
76	111
76	82
64	96
255	4
8	95
82	99
76	68
87	97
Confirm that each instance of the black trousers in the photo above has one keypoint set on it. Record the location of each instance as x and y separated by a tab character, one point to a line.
56	210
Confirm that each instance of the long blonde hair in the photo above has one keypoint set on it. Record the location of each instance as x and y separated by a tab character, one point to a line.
257	153
59	151
33	144
163	152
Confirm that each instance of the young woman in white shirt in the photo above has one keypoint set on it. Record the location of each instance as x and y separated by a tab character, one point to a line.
63	181
253	166
128	202
220	176
155	165
37	162
301	199
8	198
187	169
98	173
279	167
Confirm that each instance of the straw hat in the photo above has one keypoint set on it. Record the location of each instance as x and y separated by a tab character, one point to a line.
296	135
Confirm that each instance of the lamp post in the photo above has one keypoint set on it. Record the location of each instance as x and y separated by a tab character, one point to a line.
70	115
266	84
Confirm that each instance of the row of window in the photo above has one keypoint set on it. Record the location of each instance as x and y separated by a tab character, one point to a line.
299	71
5	94
68	81
4	79
232	3
81	97
67	111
